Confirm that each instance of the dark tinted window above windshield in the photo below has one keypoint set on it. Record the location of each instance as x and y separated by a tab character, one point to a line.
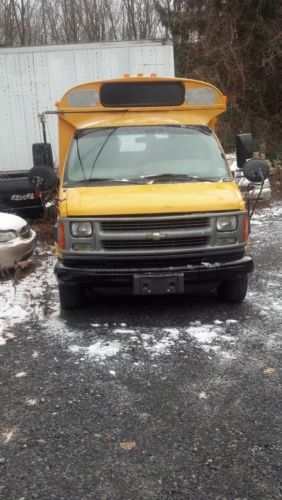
142	94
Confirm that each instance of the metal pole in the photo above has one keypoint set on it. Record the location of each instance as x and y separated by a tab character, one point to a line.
42	118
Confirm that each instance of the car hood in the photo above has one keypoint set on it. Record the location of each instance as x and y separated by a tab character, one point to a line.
151	199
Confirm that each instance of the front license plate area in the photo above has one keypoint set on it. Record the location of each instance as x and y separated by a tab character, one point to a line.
158	285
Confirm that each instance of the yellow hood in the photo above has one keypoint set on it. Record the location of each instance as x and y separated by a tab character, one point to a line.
152	199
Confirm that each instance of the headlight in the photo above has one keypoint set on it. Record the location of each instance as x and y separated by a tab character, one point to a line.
226	223
81	229
7	236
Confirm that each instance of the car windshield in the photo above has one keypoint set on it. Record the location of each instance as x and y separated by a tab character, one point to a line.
145	154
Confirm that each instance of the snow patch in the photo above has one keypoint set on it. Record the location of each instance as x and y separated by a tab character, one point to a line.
163	345
226	338
119	330
28	298
75	349
31	402
100	349
56	326
277	306
204	334
7	436
256	223
174	332
195	323
227	356
2	340
209	337
103	350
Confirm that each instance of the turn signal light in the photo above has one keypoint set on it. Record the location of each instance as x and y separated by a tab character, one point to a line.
61	235
246	228
153	75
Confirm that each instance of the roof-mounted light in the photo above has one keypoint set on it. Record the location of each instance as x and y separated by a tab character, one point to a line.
83	98
200	96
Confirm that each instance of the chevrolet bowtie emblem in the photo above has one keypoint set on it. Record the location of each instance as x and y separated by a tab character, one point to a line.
156	236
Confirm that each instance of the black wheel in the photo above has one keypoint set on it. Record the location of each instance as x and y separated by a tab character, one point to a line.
70	296
233	291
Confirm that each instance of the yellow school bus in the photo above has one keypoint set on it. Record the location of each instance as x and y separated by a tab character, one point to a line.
147	202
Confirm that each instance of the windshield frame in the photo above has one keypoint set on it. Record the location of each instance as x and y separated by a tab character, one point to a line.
146	179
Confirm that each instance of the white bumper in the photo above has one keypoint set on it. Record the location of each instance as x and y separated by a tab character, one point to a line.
13	251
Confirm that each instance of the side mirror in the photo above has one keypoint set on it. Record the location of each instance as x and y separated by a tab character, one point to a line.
256	170
42	154
42	178
244	148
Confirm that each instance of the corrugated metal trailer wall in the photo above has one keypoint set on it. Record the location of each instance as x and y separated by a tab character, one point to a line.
33	78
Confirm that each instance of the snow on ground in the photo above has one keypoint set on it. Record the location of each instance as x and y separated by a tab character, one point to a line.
99	349
273	211
34	298
155	342
25	299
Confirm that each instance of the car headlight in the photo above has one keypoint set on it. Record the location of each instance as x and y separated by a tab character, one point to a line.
81	229
7	236
226	223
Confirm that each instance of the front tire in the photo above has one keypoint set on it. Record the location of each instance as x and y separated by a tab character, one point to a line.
233	291
70	296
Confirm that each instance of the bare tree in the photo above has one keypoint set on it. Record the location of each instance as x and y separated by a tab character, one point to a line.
24	22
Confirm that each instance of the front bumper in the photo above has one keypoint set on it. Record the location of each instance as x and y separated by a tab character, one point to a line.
16	250
203	276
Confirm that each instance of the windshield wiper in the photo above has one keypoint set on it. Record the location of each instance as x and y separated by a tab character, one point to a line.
77	137
101	149
79	157
108	179
184	177
154	177
101	179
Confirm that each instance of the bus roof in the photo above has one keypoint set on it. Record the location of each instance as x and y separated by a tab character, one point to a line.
142	93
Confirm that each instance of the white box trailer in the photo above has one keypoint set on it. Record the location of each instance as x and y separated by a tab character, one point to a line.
32	79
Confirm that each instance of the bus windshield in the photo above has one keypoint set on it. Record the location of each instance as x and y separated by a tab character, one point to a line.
145	154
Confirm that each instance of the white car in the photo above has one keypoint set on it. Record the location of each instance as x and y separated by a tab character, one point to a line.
17	240
252	190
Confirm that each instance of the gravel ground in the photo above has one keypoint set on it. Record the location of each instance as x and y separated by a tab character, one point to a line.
152	398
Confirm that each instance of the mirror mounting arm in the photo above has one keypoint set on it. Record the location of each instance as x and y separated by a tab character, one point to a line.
256	200
256	171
